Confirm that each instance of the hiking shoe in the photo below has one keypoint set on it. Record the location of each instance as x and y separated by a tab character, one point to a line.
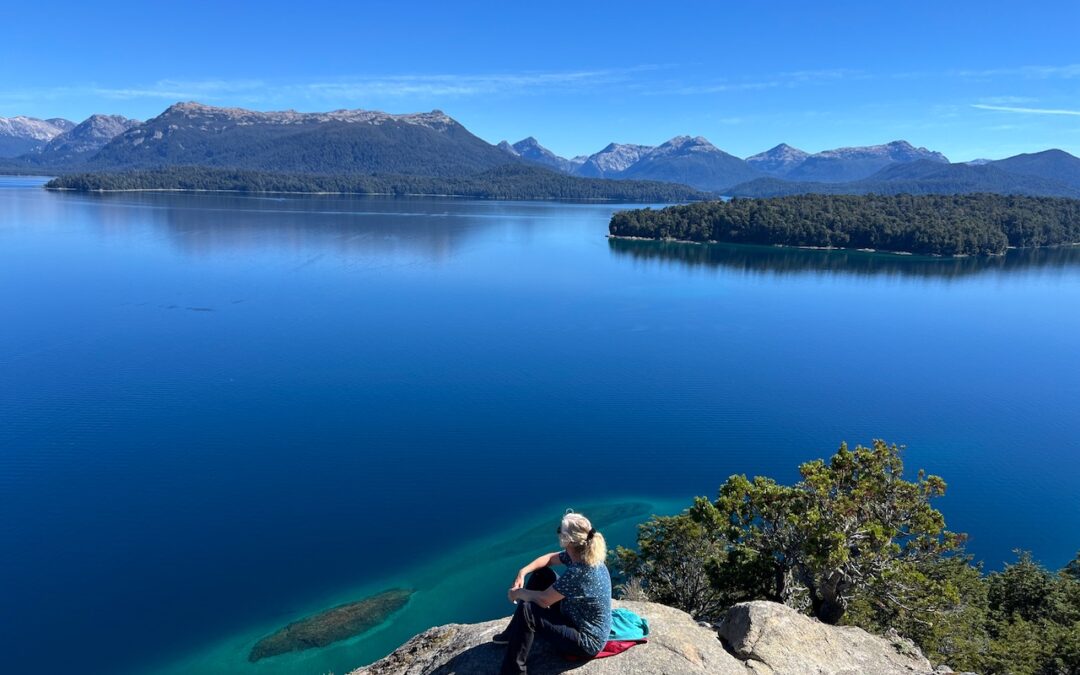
502	638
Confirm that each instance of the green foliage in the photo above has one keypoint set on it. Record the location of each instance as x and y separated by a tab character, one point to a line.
849	525
670	564
853	541
973	224
513	181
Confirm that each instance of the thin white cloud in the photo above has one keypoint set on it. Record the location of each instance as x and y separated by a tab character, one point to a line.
1027	111
451	85
173	89
1066	71
788	79
343	89
1006	100
718	87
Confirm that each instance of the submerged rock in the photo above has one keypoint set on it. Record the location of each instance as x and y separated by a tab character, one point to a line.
337	623
758	638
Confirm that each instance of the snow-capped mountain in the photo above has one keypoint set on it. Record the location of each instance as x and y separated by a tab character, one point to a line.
777	161
853	163
530	150
84	139
692	161
20	135
613	160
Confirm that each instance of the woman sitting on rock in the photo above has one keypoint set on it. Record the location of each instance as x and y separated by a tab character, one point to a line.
573	610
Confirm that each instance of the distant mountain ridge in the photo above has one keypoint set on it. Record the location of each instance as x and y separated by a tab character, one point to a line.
530	150
778	161
697	162
614	159
687	160
342	141
20	135
918	177
192	146
279	145
692	161
848	164
82	140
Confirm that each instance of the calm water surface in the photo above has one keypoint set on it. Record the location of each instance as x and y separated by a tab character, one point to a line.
220	413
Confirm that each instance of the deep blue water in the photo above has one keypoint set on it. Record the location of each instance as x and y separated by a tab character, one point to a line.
219	412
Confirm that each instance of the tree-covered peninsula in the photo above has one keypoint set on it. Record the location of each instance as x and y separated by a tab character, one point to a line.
973	224
511	181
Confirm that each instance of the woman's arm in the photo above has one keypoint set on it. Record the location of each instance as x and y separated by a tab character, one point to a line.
546	560
545	598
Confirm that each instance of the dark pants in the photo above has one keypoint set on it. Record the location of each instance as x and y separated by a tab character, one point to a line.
530	619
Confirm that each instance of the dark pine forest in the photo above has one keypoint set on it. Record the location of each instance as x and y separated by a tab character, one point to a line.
972	224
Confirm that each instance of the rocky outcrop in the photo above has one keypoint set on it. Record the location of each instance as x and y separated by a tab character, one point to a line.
777	640
753	638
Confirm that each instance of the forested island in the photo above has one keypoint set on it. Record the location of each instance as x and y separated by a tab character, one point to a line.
947	225
511	181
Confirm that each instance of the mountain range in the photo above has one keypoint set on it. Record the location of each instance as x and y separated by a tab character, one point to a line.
890	168
20	135
697	162
363	143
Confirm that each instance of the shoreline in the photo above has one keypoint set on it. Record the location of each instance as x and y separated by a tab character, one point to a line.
841	248
595	200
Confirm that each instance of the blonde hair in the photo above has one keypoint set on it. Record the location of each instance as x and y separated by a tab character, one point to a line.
577	532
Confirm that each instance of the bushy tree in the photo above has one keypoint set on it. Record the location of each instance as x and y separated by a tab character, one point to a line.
670	564
850	525
853	541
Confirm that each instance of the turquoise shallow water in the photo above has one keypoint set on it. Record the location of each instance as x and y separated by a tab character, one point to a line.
458	585
219	414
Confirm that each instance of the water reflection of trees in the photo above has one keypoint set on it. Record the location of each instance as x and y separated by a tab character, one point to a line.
783	261
207	224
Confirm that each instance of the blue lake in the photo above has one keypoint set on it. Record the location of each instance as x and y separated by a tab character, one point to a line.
219	413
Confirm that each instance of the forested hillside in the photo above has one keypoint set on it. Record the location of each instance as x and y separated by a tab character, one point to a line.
517	181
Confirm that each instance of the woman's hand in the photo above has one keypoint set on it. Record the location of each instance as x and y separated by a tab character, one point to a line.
511	594
519	581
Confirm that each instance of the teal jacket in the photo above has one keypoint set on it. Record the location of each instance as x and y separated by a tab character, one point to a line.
625	625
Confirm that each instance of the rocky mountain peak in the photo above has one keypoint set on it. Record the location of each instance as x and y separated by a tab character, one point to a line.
780	152
20	134
206	114
778	160
682	144
61	123
530	149
29	128
613	159
83	139
897	151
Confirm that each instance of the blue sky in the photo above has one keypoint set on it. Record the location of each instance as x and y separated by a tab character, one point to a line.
971	79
